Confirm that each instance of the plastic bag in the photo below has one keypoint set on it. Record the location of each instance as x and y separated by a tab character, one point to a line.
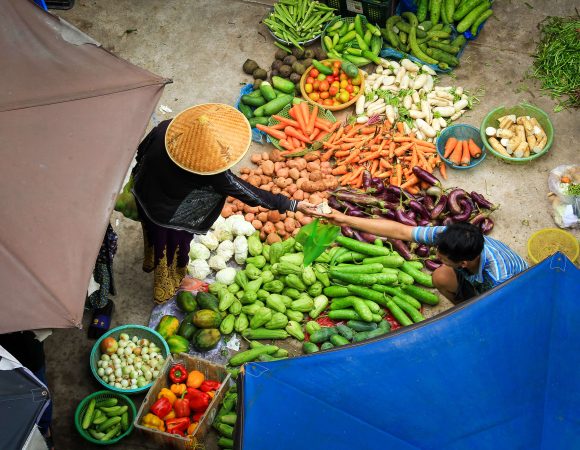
566	207
315	238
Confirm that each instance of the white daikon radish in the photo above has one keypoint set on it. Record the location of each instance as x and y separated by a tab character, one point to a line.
409	65
360	105
425	128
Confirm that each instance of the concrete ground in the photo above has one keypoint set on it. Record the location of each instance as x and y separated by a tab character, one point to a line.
202	45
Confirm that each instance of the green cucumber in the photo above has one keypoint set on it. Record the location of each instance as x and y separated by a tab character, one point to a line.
421	294
274	106
442	56
253	100
246	110
482	18
338	340
358	325
309	347
473	15
322	335
267	91
321	67
326	346
435	10
464	8
422	10
363	336
258	120
415	315
283	85
346	332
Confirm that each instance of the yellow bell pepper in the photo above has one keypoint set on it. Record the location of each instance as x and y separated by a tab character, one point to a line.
178	389
152	421
167	394
191	428
170	416
211	394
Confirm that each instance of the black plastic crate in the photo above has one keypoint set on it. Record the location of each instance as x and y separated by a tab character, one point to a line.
59	4
376	11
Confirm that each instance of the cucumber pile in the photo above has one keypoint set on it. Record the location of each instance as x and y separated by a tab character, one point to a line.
357	41
267	99
225	419
105	419
435	33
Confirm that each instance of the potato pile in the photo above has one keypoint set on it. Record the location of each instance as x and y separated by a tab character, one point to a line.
299	178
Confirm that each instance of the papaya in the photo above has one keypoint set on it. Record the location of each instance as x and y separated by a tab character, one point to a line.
187	328
186	301
206	318
206	339
205	300
177	344
168	326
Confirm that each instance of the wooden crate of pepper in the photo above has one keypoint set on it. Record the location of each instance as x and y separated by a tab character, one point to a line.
211	371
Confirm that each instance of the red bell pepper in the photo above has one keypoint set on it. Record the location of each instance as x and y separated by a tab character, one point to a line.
161	407
209	385
198	401
181	406
197	416
178	373
178	425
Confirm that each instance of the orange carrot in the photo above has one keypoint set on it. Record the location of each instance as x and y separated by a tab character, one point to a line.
352	156
449	146
327	155
306	115
399	174
401	139
370	156
314	134
414	158
466	157
457	153
286	121
271	131
400	127
300	117
295	142
374	167
403	148
311	120
278	126
286	144
291	131
474	149
342	153
339	170
443	170
423	143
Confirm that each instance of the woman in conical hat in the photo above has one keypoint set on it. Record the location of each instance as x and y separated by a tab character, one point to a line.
181	181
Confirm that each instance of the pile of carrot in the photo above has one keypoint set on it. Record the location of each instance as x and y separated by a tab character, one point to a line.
301	130
460	152
382	149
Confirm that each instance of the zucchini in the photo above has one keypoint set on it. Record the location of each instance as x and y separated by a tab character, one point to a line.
267	91
464	8
358	325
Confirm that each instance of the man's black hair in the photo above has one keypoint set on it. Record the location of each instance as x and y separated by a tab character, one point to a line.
460	242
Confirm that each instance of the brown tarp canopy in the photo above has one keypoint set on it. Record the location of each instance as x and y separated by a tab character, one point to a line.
71	117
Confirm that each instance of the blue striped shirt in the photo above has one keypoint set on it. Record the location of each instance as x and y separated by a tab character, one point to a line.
498	262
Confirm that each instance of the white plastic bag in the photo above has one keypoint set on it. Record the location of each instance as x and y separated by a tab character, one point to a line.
566	207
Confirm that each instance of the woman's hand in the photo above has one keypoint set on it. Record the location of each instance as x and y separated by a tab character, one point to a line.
306	208
335	217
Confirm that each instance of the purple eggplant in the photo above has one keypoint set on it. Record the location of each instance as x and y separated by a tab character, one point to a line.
466	210
367	181
480	200
423	223
401	248
359	199
334	203
425	176
399	192
432	265
389	214
453	200
477	219
402	217
389	196
422	250
356	213
439	207
347	231
486	226
411	215
447	221
371	238
419	209
378	185
428	203
435	191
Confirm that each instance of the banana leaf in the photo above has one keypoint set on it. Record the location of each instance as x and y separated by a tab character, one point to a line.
315	238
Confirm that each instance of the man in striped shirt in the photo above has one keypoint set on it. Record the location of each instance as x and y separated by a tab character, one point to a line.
472	263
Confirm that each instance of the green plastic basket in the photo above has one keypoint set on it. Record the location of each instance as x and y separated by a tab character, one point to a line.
132	330
522	109
322	113
103	395
348	20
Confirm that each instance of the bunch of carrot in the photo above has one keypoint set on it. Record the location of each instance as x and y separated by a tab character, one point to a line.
460	152
382	149
301	130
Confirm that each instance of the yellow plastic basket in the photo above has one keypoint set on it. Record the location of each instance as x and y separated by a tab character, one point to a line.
548	241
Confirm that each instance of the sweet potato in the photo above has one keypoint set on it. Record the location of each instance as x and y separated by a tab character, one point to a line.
313	166
289	225
304	173
272	238
298	195
244	176
292	164
267	167
254	180
296	231
282	233
300	182
239	204
312	156
262	209
304	220
280	182
283	217
249	217
256	158
290	214
298	215
269	227
315	176
273	216
234	209
324	164
275	155
282	172
300	163
291	189
275	190
262	217
252	209
227	211
244	170
279	226
294	173
265	156
262	234
258	171
306	195
256	224
313	186
330	182
314	199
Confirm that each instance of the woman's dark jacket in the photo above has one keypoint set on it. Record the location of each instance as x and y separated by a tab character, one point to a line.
175	198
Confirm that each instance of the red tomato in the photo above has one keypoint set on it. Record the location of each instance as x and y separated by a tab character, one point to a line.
343	76
324	95
328	102
336	63
310	80
349	88
316	85
333	90
314	73
335	71
324	85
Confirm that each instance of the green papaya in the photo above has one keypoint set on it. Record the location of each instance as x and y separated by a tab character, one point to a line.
177	344
186	301
206	339
206	318
168	326
205	300
187	328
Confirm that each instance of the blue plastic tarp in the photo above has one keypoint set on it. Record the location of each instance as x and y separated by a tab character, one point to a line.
501	371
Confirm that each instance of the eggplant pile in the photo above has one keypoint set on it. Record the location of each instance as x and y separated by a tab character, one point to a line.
432	207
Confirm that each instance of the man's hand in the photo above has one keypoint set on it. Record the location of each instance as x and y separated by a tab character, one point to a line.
306	208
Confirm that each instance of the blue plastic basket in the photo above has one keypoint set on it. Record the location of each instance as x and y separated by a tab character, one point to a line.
137	330
461	132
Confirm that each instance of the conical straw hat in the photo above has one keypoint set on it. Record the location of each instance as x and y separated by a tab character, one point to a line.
208	139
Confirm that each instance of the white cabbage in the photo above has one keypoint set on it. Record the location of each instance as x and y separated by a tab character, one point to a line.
217	262
240	249
209	240
220	220
198	268
243	228
223	232
226	250
198	251
226	276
